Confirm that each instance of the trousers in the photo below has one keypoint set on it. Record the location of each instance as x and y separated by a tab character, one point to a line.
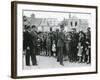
31	54
60	55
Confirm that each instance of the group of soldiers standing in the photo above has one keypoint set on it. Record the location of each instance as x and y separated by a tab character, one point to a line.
72	46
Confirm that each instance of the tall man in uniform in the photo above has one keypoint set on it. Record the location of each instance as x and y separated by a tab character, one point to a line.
29	44
60	45
34	43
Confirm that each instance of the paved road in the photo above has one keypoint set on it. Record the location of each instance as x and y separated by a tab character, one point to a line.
51	62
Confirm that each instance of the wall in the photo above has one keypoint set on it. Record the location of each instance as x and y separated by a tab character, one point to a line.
5	40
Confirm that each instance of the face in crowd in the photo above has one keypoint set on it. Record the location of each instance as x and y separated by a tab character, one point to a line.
33	28
73	30
62	28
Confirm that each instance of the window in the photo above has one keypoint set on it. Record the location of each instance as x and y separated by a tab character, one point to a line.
71	24
75	23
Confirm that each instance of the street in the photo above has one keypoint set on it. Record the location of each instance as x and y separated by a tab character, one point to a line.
51	62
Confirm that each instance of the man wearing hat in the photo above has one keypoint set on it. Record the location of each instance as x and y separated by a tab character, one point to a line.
34	36
29	46
60	45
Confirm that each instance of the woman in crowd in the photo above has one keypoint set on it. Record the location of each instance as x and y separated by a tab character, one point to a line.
68	45
48	46
80	50
74	43
54	48
82	39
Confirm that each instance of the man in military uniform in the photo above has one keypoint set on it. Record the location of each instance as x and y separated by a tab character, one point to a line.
29	44
34	37
60	45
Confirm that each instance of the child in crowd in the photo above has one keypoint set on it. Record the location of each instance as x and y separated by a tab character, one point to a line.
54	48
80	50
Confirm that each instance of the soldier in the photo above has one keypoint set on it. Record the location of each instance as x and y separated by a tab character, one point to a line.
28	43
60	45
33	44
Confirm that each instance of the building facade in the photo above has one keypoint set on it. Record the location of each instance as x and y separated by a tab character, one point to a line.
44	24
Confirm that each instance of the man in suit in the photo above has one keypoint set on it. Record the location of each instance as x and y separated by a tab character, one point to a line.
60	45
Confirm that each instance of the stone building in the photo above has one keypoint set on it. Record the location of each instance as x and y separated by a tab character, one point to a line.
44	24
74	22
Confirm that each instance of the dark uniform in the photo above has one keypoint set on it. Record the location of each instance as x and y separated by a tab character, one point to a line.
60	45
34	47
30	51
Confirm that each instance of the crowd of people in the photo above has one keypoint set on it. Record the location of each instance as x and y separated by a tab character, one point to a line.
72	46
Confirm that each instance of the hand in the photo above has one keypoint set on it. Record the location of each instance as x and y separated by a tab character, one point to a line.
85	48
24	52
89	46
87	43
28	48
81	46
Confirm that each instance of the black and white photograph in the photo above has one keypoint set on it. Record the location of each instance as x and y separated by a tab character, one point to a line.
55	39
